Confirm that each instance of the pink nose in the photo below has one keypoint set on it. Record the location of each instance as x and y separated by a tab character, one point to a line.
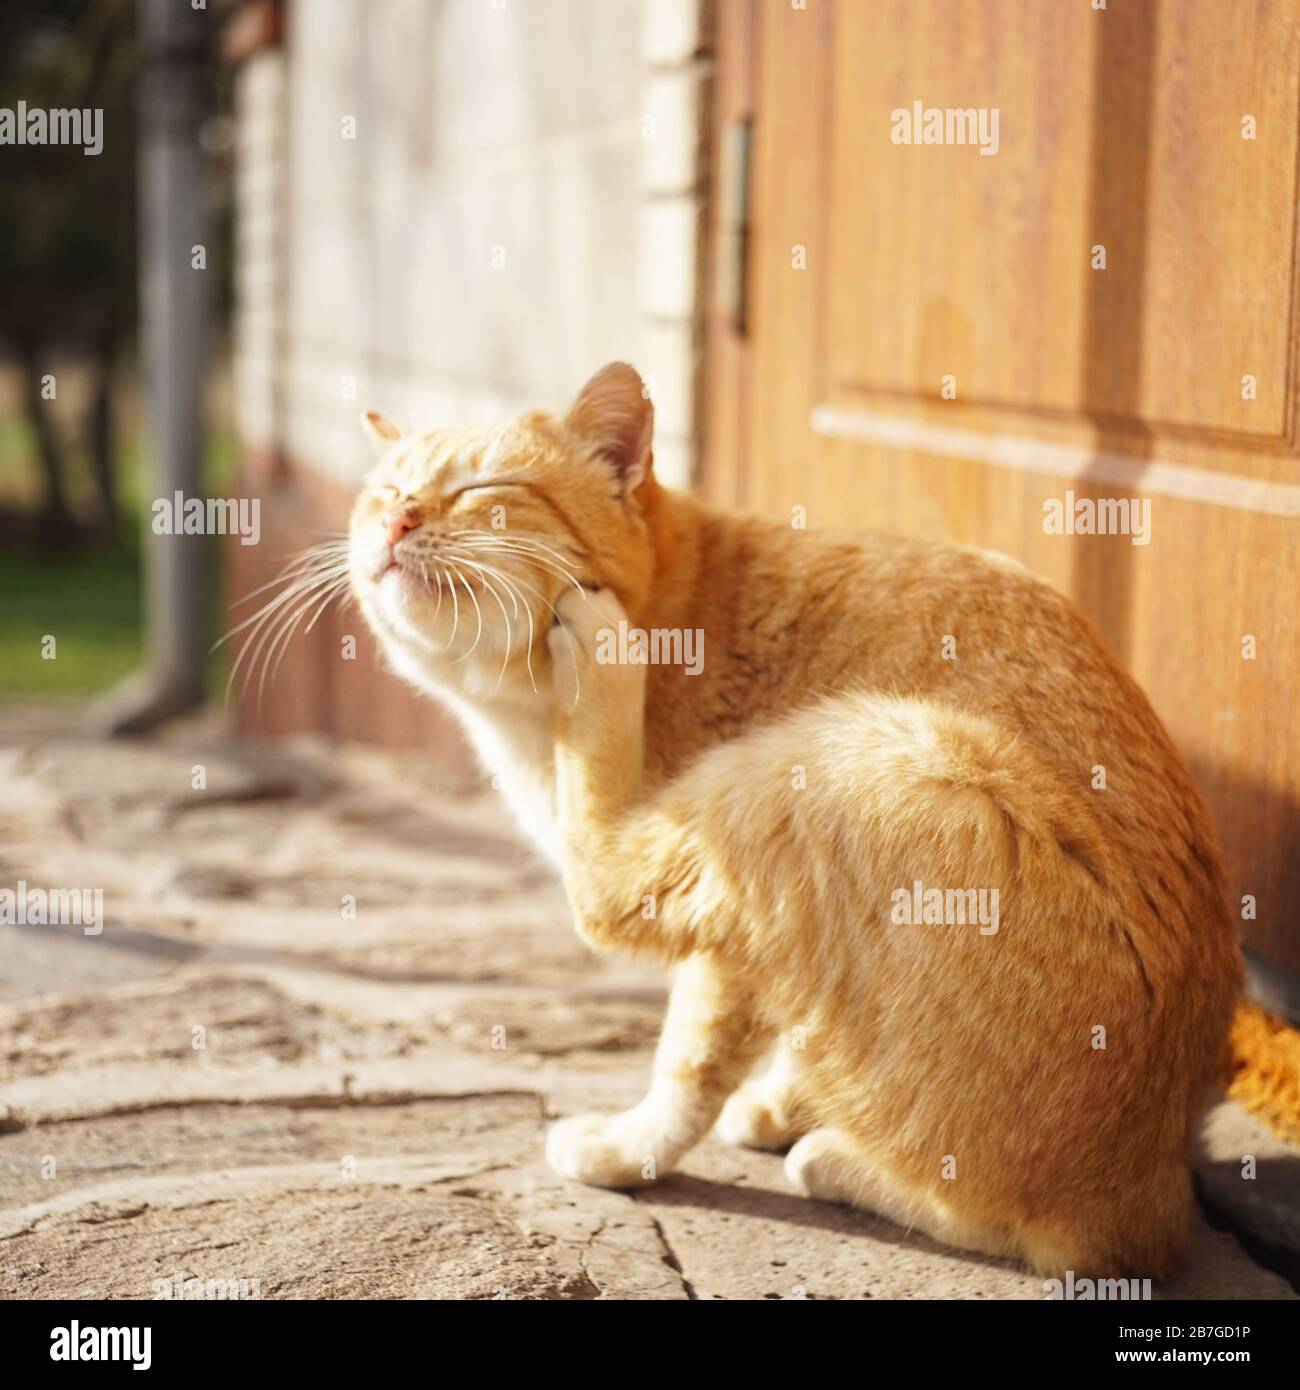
401	521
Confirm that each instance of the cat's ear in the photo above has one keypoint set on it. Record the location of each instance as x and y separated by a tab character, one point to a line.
614	413
380	431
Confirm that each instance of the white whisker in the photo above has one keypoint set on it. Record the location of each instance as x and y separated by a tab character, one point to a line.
479	634
455	614
273	657
484	571
298	585
318	571
320	558
516	546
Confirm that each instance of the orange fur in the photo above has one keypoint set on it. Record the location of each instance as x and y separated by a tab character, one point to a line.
754	823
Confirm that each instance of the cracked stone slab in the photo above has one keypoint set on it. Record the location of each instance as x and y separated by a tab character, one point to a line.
553	1025
130	1048
125	1089
99	782
42	960
508	942
430	1200
109	1157
194	1020
446	925
406	1237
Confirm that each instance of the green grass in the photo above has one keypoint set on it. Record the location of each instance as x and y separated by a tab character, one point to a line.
88	601
87	597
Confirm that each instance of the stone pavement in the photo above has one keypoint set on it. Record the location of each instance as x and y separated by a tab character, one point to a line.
243	1078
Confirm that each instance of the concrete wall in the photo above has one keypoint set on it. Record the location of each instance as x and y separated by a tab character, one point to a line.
455	209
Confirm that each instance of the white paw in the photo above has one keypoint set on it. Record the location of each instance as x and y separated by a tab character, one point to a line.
750	1121
584	614
815	1167
590	1149
584	647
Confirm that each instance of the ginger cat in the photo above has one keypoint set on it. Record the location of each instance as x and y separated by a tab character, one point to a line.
870	832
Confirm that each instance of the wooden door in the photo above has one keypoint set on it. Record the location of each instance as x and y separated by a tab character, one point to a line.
939	341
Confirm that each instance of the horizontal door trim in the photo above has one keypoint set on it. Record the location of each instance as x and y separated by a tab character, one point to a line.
1051	459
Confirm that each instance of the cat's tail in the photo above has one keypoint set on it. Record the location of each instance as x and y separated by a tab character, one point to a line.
1261	1069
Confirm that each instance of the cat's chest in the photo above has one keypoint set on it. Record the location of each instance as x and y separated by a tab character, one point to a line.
532	799
520	757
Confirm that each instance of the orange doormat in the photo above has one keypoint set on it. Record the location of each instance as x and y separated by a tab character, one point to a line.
1262	1068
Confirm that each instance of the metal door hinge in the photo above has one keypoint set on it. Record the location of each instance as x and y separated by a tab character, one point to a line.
733	224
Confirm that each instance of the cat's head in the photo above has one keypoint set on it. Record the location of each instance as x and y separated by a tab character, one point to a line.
461	540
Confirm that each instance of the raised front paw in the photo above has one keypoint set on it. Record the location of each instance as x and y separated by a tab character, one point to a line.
588	645
596	1149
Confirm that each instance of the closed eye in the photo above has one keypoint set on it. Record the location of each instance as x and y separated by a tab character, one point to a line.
486	483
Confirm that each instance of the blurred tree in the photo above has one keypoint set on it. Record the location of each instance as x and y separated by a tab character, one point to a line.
67	257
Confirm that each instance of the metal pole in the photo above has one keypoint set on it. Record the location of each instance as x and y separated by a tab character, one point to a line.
174	307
